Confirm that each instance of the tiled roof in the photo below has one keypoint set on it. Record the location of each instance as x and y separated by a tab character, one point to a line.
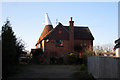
46	30
54	35
82	33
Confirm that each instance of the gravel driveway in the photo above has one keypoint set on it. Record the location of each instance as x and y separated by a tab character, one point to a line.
46	71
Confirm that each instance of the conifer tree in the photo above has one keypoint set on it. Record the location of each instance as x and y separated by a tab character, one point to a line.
8	44
11	48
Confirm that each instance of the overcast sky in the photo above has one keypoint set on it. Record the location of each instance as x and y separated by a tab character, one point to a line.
27	18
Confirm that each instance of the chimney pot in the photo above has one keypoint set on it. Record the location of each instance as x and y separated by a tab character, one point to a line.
70	18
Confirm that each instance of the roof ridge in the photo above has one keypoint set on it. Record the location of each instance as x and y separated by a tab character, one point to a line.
62	26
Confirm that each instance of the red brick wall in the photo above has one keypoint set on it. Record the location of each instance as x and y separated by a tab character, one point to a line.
50	47
84	43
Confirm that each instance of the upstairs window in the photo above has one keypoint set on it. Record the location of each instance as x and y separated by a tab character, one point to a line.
59	43
47	40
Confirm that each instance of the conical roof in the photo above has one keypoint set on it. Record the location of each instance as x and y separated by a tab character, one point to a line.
48	27
47	20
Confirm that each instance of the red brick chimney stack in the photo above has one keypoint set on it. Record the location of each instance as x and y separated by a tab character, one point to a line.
71	35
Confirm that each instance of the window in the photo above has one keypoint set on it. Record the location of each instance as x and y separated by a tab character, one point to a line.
47	40
59	43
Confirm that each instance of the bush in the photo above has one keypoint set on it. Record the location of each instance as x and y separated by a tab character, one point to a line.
82	73
82	67
71	58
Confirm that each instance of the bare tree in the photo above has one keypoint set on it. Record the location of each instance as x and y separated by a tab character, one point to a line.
108	47
98	49
103	48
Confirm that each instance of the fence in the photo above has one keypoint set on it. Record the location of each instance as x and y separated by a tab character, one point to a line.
104	67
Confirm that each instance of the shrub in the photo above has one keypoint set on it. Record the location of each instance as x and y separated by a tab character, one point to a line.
82	73
82	67
71	58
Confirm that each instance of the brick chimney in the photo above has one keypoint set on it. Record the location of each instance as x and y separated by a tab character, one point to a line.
71	35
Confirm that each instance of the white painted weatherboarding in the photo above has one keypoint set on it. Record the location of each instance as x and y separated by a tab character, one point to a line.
47	20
